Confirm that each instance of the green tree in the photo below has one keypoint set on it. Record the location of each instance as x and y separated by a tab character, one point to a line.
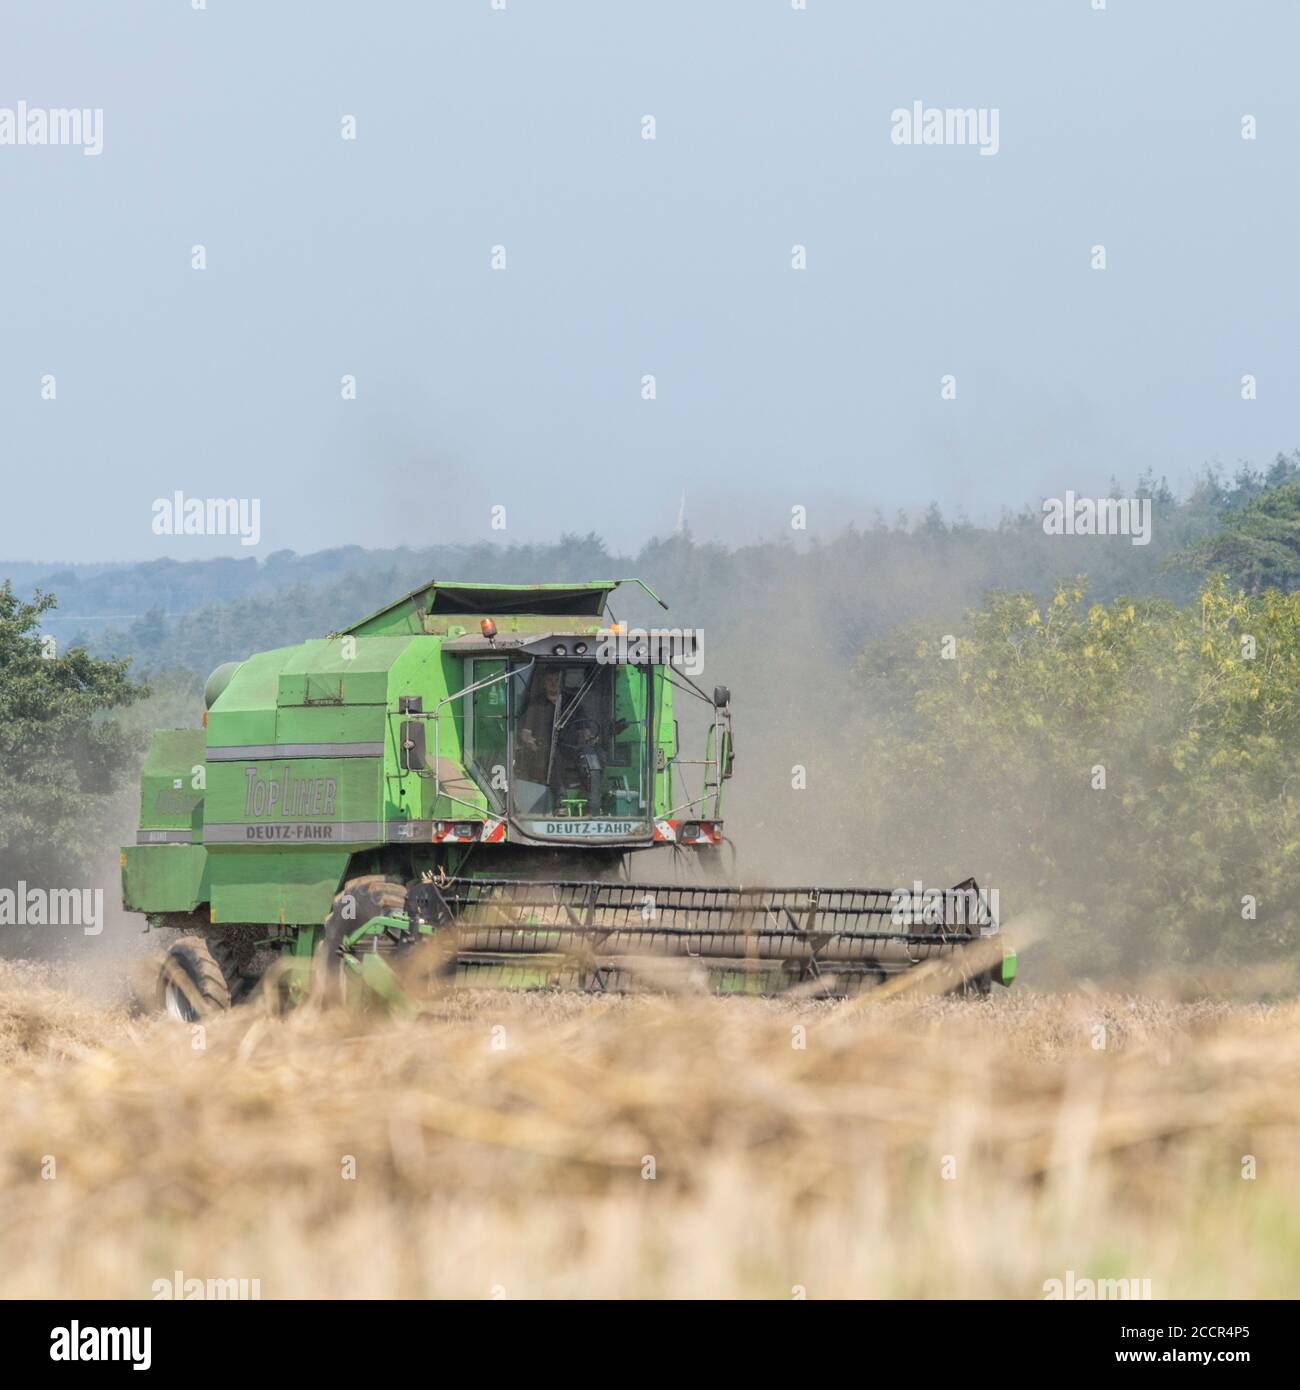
1259	543
1128	771
62	754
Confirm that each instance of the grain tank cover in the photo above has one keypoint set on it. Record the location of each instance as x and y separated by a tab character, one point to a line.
441	600
563	600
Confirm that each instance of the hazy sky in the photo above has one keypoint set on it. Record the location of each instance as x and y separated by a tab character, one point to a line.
625	256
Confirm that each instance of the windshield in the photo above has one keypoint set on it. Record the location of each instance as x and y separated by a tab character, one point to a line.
581	749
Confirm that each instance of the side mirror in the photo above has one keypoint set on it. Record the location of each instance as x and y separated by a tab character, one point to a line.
412	746
721	696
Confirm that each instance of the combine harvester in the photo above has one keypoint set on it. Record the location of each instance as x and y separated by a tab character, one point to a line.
462	779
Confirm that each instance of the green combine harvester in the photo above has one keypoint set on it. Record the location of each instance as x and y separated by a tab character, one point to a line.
454	788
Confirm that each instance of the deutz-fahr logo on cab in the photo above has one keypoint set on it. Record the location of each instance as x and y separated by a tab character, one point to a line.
612	828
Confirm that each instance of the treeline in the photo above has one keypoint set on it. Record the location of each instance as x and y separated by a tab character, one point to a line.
860	582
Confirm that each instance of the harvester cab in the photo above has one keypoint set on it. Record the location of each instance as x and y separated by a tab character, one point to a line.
475	765
565	728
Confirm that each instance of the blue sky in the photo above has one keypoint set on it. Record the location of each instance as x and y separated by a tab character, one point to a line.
625	257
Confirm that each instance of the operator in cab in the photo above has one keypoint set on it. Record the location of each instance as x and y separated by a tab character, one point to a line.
558	739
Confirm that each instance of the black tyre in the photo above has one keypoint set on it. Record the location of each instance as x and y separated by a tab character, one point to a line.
355	904
198	978
980	986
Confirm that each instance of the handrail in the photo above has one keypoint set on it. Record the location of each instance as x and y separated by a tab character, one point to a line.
436	714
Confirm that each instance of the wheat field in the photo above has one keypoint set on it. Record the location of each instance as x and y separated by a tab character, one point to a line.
555	1146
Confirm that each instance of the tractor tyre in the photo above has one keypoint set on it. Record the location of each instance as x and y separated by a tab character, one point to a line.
355	904
198	978
980	986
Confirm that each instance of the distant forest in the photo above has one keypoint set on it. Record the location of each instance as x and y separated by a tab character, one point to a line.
851	586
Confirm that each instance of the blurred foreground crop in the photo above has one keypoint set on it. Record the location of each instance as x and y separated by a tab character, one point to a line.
504	1145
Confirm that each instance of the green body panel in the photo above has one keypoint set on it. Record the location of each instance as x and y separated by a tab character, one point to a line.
245	710
300	774
281	830
279	886
170	874
164	878
1009	966
171	783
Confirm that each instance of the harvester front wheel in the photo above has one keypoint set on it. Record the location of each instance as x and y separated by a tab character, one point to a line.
359	900
197	978
981	985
